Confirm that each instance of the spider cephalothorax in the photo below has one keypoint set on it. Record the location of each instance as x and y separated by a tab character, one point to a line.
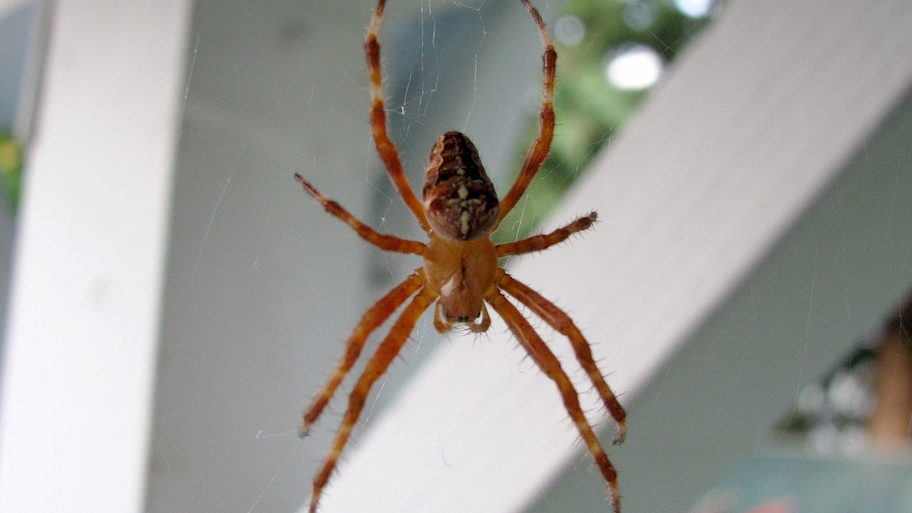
460	271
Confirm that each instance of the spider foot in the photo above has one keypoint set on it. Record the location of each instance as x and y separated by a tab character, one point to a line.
315	499
304	430
614	498
620	433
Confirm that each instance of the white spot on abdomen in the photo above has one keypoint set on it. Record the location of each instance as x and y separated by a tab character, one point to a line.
464	222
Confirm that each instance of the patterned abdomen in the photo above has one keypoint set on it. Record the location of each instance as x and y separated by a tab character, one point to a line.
459	198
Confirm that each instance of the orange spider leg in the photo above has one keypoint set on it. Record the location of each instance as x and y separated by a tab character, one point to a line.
385	147
548	363
562	323
370	321
545	241
539	151
382	241
385	354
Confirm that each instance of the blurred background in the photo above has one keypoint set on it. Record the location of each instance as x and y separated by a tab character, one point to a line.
171	299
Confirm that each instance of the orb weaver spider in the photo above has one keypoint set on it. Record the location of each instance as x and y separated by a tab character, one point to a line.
461	274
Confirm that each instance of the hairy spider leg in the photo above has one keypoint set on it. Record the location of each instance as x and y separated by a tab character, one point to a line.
563	324
385	147
544	241
539	151
382	241
372	319
380	361
548	363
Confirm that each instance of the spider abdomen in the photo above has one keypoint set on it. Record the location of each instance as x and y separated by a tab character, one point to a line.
459	198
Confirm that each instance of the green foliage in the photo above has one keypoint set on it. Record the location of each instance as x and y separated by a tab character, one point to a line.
10	168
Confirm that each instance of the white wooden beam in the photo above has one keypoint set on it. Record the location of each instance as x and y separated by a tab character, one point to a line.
80	355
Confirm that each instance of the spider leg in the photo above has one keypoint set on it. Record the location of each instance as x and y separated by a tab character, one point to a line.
539	151
385	354
545	241
372	319
382	241
562	323
385	147
548	363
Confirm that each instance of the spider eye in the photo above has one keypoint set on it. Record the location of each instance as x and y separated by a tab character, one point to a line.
459	198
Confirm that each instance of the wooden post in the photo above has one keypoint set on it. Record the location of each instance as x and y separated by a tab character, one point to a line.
892	418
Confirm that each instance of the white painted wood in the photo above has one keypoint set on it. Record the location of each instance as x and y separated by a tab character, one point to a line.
85	300
749	128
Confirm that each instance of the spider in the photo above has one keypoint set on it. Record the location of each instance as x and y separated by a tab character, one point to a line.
460	276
